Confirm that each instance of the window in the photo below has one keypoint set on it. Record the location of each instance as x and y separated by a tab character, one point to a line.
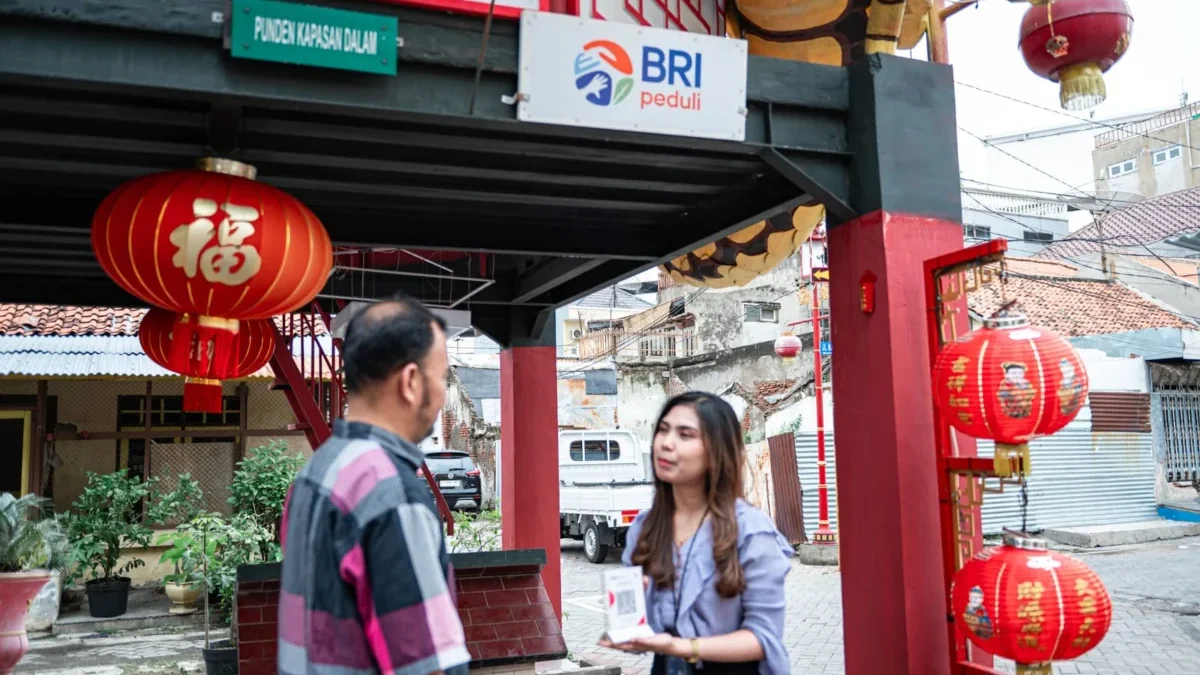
1038	236
761	312
1167	154
595	451
1122	168
447	462
167	412
977	231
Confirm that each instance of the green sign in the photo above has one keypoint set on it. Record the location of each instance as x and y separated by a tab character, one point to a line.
306	35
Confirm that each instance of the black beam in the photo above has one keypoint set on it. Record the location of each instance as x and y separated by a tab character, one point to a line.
224	126
693	230
905	146
826	179
60	289
515	326
550	275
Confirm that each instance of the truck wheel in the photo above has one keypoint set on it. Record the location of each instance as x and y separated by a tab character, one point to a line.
592	548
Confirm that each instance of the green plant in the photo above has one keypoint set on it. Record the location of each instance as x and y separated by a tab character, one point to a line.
217	547
473	533
178	506
260	485
27	539
106	516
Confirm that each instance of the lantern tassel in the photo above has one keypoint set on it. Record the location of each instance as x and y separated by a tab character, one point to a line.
1034	669
201	395
1011	460
1081	86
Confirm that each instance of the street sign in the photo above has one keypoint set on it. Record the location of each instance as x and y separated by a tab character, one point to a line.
612	75
820	274
826	348
307	35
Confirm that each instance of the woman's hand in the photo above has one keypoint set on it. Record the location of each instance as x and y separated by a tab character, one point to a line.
662	643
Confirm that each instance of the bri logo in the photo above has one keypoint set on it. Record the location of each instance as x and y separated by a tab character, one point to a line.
604	72
670	78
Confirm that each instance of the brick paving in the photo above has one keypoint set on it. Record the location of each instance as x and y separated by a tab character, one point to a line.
1156	625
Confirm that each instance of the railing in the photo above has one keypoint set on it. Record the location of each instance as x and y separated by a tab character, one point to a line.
1133	129
651	345
1029	206
1177	426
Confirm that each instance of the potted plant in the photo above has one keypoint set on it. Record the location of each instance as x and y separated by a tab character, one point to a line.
44	608
106	516
260	485
179	507
27	547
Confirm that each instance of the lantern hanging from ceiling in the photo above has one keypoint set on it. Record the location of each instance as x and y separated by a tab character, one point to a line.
215	247
1023	602
787	346
252	349
1010	382
1074	42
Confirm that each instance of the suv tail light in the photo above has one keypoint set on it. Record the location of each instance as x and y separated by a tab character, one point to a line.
473	472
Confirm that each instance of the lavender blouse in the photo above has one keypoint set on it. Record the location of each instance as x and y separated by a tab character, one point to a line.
703	612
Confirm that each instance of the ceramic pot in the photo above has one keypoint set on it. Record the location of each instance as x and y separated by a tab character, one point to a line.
183	597
43	609
17	589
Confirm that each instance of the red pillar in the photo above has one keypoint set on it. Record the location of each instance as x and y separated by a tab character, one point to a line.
893	597
529	458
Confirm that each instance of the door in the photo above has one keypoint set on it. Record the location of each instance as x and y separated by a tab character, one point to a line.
14	451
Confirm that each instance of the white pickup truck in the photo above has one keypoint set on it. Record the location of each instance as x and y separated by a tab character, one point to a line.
605	480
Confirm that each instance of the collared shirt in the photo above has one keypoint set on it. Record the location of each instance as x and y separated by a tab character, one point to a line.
367	582
760	608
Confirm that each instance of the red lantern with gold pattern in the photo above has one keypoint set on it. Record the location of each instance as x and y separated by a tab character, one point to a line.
1023	602
215	247
787	346
1074	42
253	347
1010	382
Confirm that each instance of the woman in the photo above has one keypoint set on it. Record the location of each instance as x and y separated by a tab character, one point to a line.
714	565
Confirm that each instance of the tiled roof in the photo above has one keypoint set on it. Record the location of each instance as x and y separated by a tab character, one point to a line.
1041	268
1126	230
69	321
1074	307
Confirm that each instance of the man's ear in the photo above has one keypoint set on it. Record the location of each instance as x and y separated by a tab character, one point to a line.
408	381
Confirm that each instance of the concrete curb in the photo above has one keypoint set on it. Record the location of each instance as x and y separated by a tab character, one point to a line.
817	554
1134	533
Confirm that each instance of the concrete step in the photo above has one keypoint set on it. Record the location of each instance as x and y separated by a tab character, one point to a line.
1123	534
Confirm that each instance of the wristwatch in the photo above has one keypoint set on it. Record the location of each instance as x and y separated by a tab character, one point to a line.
695	657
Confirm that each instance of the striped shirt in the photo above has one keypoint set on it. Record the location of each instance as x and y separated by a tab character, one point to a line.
366	577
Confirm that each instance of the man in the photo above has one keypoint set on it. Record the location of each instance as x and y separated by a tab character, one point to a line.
367	583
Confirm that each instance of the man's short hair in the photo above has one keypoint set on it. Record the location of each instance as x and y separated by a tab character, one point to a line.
386	337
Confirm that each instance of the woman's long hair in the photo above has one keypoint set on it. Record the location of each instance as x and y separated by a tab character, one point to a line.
721	435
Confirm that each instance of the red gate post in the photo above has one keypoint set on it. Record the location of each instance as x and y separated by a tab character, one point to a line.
904	206
529	457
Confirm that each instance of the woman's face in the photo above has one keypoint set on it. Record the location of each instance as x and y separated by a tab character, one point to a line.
679	454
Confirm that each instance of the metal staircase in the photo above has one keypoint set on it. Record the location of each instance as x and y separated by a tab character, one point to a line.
308	370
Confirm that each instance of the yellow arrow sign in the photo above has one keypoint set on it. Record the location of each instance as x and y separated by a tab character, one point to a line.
821	274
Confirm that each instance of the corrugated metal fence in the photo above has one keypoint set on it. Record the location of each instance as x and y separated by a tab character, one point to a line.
1079	478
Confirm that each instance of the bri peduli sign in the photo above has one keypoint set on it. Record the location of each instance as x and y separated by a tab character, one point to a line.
611	75
308	35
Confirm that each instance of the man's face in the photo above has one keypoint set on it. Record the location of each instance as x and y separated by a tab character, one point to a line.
435	371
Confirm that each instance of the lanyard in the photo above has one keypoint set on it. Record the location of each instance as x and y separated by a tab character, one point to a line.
677	592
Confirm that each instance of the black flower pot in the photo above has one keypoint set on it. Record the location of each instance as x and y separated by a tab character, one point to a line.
220	658
107	597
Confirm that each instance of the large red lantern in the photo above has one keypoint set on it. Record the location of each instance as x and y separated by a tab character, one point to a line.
1023	602
253	347
787	346
215	247
1010	382
1074	42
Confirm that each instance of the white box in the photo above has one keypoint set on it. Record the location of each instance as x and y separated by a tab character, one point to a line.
625	605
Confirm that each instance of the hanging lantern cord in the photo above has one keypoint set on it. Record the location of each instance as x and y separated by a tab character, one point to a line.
1024	501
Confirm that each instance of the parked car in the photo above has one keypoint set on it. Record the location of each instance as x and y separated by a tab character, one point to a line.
457	477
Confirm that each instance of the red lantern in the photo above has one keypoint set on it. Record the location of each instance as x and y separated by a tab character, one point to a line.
213	246
1023	602
787	346
1074	42
1010	382
254	345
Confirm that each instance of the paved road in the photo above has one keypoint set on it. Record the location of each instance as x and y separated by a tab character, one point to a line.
1156	626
